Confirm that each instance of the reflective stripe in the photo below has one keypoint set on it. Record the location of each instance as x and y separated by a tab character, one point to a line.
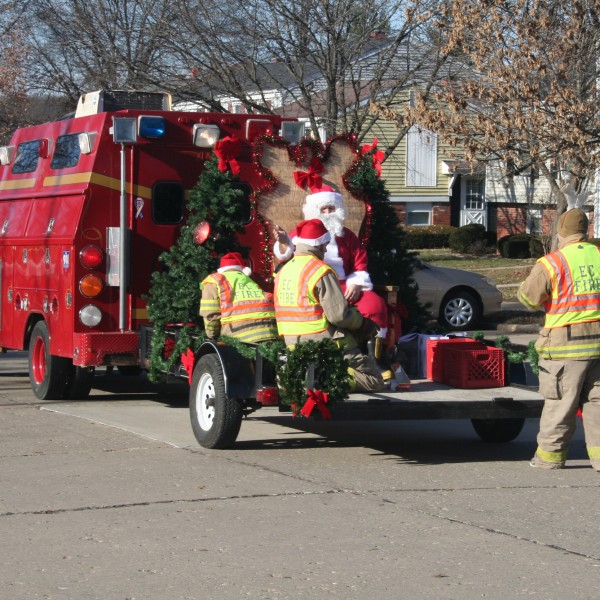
297	310
557	457
243	305
575	351
593	451
575	296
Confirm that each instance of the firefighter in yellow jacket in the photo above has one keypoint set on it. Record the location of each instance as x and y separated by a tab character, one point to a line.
233	304
310	305
567	284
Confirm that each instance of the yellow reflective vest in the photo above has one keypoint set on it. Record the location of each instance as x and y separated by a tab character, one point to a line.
575	276
297	310
246	310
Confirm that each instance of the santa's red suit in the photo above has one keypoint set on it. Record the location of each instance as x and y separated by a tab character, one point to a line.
346	255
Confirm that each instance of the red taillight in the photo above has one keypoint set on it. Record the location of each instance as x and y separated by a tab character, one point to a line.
91	257
201	232
268	396
90	286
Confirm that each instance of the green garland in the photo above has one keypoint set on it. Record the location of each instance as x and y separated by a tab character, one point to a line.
331	373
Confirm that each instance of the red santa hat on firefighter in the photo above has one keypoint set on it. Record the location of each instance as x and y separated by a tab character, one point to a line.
320	197
233	261
311	233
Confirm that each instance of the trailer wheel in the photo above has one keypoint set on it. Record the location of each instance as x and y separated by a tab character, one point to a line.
129	370
48	374
79	383
498	430
216	419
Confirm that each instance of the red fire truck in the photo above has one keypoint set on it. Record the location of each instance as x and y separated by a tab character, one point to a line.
87	204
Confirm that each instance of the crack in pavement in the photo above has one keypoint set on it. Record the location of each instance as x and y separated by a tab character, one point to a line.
447	519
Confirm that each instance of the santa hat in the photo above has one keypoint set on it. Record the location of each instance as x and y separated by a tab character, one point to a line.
233	261
324	196
311	233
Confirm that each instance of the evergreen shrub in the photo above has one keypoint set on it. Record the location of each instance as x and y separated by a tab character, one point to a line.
520	245
469	239
430	236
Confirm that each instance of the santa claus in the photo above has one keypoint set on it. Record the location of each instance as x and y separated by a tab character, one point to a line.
345	254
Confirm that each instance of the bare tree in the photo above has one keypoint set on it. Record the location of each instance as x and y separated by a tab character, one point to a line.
326	59
532	97
79	46
13	51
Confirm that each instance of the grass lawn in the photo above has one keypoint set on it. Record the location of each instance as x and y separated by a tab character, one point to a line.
508	273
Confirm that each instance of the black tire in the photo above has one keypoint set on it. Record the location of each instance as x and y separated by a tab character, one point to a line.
460	311
216	419
498	430
79	383
48	374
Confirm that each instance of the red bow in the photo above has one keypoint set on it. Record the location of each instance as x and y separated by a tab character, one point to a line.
319	399
226	150
378	155
187	360
310	178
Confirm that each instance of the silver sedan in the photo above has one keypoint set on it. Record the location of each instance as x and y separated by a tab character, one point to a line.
458	299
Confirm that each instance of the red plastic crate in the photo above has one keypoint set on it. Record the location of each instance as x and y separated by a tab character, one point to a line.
436	354
473	368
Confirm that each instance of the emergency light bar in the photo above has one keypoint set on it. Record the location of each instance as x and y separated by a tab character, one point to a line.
125	130
7	153
205	136
256	127
151	127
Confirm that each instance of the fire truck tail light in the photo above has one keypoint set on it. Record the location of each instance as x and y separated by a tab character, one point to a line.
86	142
205	136
7	153
90	285
151	127
91	257
90	315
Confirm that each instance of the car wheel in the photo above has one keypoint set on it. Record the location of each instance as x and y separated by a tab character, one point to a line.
216	419
459	311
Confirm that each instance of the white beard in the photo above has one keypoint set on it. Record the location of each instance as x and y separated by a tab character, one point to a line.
334	222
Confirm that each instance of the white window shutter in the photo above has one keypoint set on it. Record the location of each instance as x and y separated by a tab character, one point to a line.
421	158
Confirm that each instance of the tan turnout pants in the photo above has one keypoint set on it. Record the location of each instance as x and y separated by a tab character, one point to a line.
565	384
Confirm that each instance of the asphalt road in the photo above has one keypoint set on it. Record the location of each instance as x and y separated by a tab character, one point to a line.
112	498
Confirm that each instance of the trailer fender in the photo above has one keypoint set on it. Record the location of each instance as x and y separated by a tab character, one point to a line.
239	372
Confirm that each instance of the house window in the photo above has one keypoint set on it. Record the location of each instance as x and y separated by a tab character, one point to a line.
534	221
418	214
474	193
421	158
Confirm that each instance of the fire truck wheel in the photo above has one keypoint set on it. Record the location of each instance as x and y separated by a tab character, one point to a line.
216	419
498	430
79	384
48	374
